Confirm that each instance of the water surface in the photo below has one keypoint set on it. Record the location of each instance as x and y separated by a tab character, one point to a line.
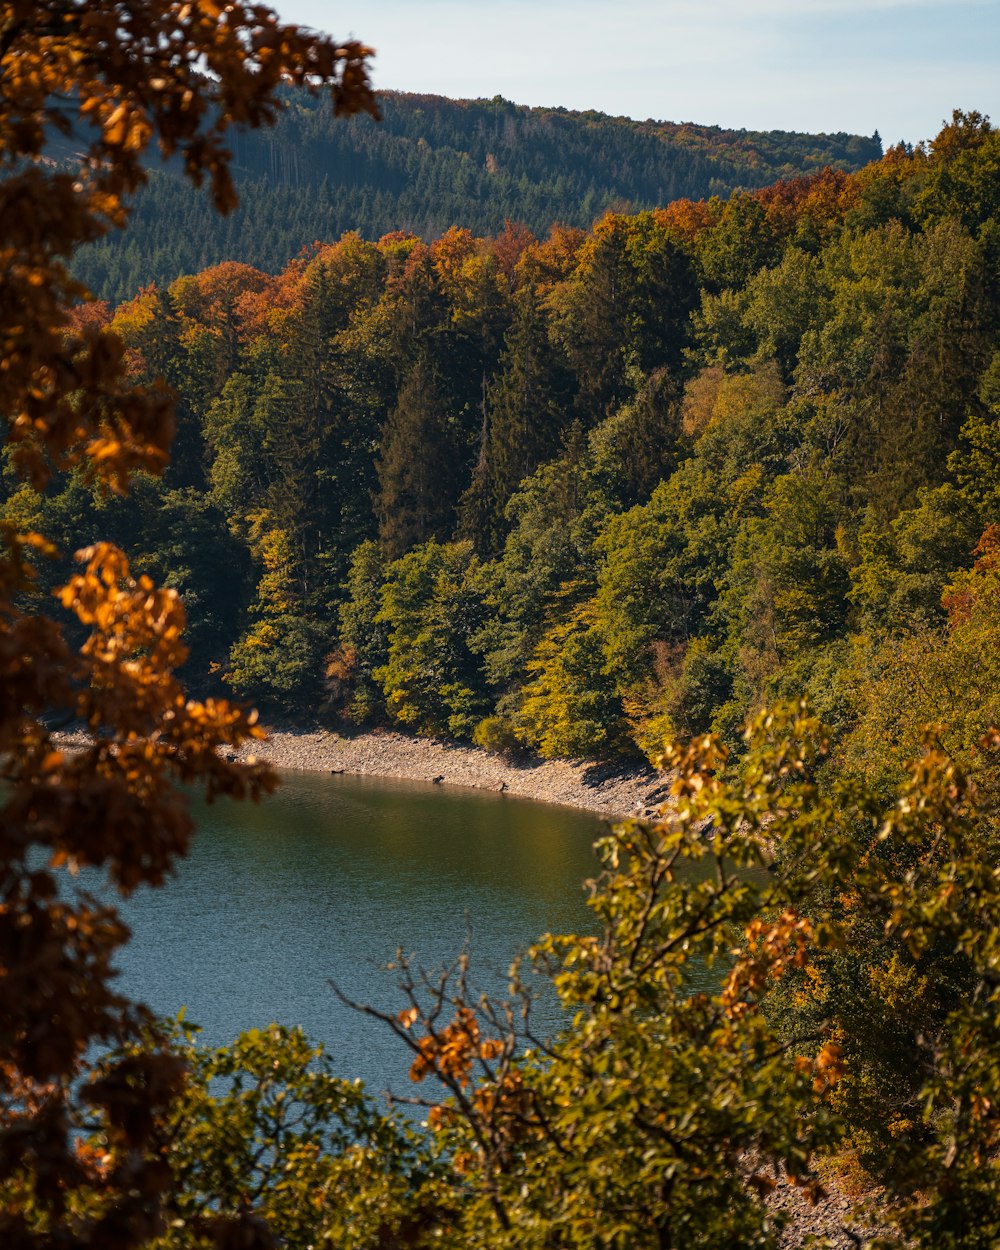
326	879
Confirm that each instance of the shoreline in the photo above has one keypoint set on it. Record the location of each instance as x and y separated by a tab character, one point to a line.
614	790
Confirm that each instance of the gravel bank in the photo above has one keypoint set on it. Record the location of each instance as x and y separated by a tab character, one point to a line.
834	1218
613	790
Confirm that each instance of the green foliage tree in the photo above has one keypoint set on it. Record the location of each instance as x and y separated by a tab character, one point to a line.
780	304
640	445
526	414
902	571
625	307
547	564
975	462
900	354
655	584
849	985
740	243
788	574
363	645
265	1126
431	606
785	595
568	705
417	465
277	660
944	676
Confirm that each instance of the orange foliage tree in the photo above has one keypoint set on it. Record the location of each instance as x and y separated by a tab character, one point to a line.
86	88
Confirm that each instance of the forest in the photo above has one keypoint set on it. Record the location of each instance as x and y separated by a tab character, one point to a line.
579	493
428	164
716	482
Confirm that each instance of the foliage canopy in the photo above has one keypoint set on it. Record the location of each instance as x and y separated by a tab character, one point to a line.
112	79
785	975
579	492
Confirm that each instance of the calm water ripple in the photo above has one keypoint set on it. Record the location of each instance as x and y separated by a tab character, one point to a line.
325	880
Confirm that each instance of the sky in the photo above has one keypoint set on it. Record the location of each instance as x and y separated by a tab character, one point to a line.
896	66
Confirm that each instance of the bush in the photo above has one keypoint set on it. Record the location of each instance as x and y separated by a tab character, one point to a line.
496	734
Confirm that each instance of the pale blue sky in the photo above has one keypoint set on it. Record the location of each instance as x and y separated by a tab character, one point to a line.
898	66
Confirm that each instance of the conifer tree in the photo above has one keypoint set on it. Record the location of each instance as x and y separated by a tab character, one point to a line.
417	465
526	412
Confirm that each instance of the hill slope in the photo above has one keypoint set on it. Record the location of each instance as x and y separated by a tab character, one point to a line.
433	163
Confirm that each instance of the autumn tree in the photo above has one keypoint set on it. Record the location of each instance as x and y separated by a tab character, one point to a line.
783	973
97	86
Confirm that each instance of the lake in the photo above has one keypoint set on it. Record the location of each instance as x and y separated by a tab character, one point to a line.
325	880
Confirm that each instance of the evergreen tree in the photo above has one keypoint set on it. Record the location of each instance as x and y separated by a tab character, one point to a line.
526	413
417	469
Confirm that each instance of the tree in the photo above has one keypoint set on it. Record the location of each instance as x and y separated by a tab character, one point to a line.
265	1123
431	605
278	657
656	583
627	304
364	637
547	564
947	677
525	414
731	1027
417	467
902	571
638	447
899	351
739	244
568	706
96	84
962	176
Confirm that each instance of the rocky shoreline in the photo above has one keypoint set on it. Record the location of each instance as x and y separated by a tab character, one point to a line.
613	789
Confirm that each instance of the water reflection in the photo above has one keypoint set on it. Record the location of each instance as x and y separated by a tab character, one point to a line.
325	880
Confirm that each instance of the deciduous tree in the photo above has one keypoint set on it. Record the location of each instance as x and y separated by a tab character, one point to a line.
95	85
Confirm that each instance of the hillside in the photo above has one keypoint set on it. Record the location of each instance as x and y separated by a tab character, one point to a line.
585	489
728	462
432	163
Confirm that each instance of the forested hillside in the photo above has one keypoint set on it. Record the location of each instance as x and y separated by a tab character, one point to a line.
581	492
433	163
